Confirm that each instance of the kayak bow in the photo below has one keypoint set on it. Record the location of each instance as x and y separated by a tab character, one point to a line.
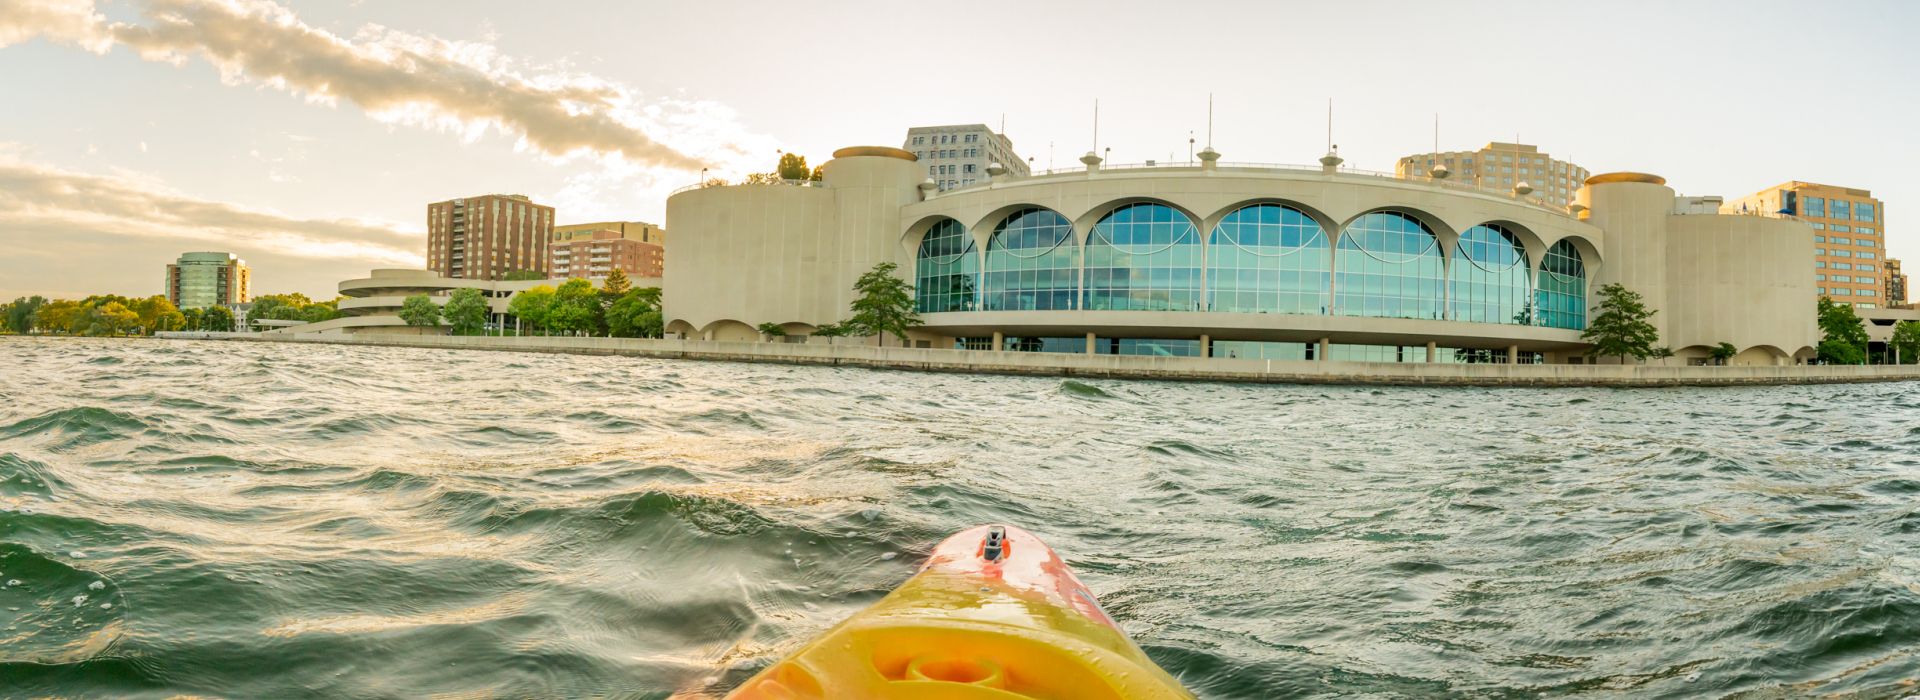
993	615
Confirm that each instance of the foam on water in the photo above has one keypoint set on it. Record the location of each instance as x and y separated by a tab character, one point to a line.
268	520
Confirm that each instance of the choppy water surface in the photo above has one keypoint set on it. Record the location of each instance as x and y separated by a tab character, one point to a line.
255	520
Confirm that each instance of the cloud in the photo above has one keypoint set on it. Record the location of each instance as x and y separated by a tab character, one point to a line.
66	226
396	77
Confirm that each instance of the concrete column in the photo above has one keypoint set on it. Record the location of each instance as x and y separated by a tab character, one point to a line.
1090	340
1326	345
1513	354
1206	346
999	341
1433	351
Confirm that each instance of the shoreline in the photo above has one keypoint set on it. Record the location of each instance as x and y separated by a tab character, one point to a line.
1125	366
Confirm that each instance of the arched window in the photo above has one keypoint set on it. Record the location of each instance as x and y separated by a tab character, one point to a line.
1143	257
1488	278
1561	300
1389	265
1032	263
946	270
1268	258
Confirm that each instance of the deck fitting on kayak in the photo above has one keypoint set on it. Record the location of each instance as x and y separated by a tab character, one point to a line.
996	544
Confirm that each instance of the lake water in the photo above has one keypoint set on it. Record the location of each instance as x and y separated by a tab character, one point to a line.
274	520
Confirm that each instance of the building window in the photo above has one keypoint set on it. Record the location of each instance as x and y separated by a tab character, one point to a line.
1819	239
1863	211
1561	299
1841	240
1389	265
1841	209
1032	263
1841	228
946	270
1143	257
1863	255
1488	279
1813	206
1268	258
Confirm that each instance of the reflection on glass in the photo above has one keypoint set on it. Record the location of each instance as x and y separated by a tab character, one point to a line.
1032	263
1268	258
1143	257
1561	300
946	270
1488	278
1389	265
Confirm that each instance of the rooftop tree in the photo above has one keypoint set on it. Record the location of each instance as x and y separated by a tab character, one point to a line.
1620	328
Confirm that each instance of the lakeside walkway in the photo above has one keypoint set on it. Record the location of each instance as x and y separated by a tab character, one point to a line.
1125	366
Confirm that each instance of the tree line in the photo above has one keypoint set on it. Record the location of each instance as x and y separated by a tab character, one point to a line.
616	309
113	315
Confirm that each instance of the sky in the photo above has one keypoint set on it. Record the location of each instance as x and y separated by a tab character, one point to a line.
309	137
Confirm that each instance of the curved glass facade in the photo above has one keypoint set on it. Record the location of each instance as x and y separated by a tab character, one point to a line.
1489	278
1143	257
1032	263
946	270
1561	300
1268	258
1389	265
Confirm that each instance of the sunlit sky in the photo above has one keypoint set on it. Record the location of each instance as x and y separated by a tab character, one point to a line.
308	137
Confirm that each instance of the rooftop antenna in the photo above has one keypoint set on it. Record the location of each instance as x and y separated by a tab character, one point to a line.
1003	123
1439	170
1209	120
1096	124
1331	161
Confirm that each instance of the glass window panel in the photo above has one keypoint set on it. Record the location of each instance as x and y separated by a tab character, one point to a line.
1268	258
1561	299
1389	264
1133	256
1026	244
946	270
1489	278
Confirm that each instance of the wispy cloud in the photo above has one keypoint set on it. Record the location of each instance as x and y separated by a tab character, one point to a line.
83	224
395	76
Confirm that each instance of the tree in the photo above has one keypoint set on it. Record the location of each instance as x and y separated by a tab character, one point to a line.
831	330
217	318
615	285
819	172
419	310
576	308
761	179
58	316
793	166
322	311
1906	342
154	312
190	319
635	314
279	307
532	306
20	313
1661	353
1723	352
466	311
112	319
771	330
885	305
1843	336
1620	328
524	275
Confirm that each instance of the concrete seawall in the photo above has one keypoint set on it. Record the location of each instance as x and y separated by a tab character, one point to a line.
1128	367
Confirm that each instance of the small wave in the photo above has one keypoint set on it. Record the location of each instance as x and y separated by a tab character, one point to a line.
80	426
53	612
1083	390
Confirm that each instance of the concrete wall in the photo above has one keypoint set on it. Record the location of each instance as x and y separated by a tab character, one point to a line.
1138	367
1742	280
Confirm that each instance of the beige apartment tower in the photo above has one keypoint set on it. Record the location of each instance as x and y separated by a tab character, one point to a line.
1849	236
958	155
488	236
1501	166
635	248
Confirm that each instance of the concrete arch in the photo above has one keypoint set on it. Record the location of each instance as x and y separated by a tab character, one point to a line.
798	328
731	331
1761	355
1589	253
1083	225
1445	234
1805	354
682	328
1327	225
982	230
1535	246
910	239
1690	353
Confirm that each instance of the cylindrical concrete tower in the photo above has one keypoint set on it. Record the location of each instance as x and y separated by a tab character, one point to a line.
1632	208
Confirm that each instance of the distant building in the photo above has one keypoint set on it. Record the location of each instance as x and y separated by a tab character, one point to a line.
958	155
1896	284
635	248
1849	245
200	280
488	236
1502	166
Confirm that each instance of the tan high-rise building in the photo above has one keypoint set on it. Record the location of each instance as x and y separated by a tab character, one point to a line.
1896	284
1501	166
200	280
1849	236
635	248
958	155
488	236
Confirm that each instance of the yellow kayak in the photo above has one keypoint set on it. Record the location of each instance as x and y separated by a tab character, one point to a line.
993	615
